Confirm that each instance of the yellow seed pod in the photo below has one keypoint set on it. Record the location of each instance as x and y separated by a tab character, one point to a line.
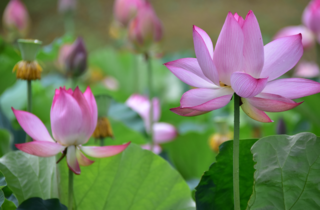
27	70
103	129
217	139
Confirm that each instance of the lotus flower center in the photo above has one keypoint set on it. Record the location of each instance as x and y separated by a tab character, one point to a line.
223	85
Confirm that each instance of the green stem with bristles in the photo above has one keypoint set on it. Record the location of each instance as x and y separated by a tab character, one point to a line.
70	190
236	188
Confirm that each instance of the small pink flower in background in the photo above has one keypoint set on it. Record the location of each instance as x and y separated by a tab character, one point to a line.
145	28
308	38
162	132
67	5
241	64
311	16
16	17
156	148
307	70
73	120
125	10
73	58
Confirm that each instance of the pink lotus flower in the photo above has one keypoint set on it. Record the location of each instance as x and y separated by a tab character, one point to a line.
125	10
73	120
145	28
241	64
16	17
307	70
308	38
162	132
67	5
311	16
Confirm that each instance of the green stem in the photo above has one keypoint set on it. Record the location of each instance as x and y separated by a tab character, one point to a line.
70	201
29	105
236	188
150	87
102	142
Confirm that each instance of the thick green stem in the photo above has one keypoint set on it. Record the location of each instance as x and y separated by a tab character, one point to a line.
102	142
70	201
236	188
150	87
29	105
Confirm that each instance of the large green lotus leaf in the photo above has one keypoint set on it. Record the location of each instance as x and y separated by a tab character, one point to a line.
8	205
191	154
136	179
29	176
215	190
287	173
40	204
9	56
5	142
2	198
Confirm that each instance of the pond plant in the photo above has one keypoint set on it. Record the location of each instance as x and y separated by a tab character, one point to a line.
83	145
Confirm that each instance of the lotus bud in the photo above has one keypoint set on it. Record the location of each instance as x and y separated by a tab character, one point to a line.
281	127
28	68
125	10
311	16
74	58
16	17
65	6
145	29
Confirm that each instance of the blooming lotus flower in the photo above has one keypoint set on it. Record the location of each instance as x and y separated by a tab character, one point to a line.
241	64
308	38
73	58
16	17
125	10
162	132
311	16
307	70
145	28
73	120
67	5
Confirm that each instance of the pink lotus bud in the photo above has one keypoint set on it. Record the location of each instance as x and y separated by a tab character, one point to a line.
311	16
145	28
73	58
307	70
307	35
125	10
16	17
67	5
